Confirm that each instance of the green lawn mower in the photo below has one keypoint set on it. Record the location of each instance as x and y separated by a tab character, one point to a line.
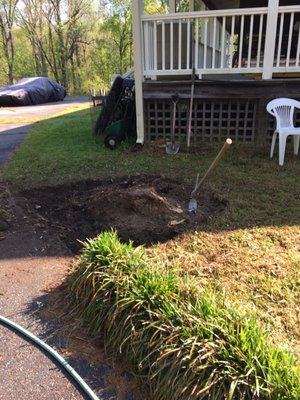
117	119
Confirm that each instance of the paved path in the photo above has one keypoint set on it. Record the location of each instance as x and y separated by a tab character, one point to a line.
12	134
25	371
8	143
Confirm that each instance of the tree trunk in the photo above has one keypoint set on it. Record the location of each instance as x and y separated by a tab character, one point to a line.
6	26
53	63
61	46
74	74
63	60
36	56
43	61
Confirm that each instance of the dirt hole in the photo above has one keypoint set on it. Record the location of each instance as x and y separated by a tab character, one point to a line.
142	208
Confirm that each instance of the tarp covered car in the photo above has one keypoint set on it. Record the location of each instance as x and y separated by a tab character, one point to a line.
29	91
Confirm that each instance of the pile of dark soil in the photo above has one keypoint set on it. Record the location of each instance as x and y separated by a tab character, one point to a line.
145	209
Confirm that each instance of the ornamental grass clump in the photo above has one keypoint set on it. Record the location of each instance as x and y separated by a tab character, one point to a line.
190	344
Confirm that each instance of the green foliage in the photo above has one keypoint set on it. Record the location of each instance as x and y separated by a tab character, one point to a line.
155	7
182	5
191	345
118	23
24	64
3	69
83	52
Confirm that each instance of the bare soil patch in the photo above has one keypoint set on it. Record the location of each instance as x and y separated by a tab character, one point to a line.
40	231
144	209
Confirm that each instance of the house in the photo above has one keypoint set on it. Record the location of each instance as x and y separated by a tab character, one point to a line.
241	53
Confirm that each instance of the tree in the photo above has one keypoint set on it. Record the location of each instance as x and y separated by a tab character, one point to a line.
24	65
118	23
79	43
7	19
57	31
155	7
33	20
79	25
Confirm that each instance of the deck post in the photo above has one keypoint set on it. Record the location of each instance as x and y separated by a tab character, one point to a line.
270	41
172	6
137	12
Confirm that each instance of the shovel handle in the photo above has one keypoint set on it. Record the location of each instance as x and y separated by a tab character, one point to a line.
212	167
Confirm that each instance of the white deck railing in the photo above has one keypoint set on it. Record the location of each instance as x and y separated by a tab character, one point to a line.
221	41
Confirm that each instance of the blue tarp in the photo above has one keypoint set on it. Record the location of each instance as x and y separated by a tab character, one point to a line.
29	91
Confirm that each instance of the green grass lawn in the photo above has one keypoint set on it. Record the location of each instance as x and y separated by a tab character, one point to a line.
250	253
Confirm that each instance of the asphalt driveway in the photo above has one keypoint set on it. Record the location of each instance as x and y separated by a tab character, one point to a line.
12	134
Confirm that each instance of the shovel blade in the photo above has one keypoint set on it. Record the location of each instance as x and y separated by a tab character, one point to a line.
172	148
192	207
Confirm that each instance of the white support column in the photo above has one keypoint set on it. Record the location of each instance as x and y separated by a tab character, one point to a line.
270	41
192	5
172	6
137	12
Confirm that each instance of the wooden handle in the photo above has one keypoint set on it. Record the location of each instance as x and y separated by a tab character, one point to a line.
212	167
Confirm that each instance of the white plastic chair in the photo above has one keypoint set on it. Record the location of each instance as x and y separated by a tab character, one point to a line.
283	110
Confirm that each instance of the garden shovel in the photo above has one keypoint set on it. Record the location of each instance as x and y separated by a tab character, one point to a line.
172	148
192	206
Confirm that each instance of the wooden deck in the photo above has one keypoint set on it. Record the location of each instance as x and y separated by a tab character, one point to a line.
222	108
223	87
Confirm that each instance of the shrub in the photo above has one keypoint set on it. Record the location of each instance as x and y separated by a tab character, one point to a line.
191	345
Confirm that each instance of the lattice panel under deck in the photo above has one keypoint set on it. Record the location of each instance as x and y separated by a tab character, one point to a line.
212	121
